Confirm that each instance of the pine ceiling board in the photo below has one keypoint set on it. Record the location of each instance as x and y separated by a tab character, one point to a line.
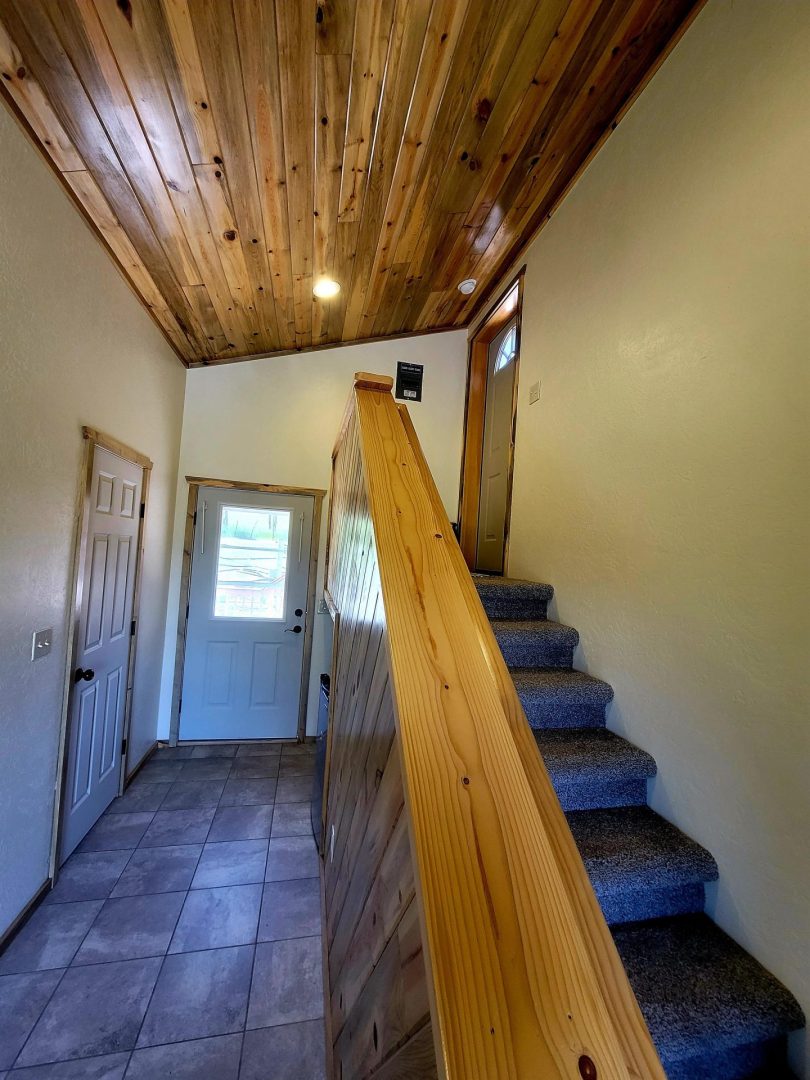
231	152
258	51
295	28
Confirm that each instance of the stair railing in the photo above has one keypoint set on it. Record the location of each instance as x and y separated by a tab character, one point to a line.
463	938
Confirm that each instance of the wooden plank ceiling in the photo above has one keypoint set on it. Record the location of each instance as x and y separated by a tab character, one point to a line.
232	152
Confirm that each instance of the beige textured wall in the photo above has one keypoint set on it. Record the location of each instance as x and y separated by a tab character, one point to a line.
275	421
75	348
662	482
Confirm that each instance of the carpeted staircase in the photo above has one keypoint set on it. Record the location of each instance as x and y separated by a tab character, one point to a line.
713	1011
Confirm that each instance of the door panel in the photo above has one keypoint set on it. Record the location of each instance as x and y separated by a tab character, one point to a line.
249	577
96	711
497	445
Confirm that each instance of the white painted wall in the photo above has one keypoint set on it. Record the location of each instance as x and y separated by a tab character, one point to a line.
662	482
76	348
274	421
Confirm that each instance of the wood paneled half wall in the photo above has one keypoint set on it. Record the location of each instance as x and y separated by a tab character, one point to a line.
230	153
463	938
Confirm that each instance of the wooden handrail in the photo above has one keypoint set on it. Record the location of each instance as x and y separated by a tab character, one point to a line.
521	975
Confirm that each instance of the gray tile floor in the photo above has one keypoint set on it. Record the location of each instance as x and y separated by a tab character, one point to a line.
183	938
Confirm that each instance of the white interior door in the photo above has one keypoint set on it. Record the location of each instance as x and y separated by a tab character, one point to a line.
247	615
497	446
98	698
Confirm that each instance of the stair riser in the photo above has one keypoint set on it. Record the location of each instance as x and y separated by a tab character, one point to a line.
639	904
535	650
503	607
599	796
764	1061
547	715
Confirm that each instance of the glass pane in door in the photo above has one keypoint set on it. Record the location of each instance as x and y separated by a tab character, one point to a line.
251	576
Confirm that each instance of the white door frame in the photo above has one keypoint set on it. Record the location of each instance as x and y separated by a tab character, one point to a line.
93	438
194	485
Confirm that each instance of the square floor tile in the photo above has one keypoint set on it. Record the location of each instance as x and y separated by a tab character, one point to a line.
241	823
199	994
22	999
192	794
115	832
298	750
139	798
246	792
171	828
297	1051
257	767
292	819
131	927
287	983
106	1067
88	876
294	789
223	750
216	1058
256	749
95	1010
206	769
218	918
302	765
173	753
159	771
292	857
159	870
290	909
233	862
50	937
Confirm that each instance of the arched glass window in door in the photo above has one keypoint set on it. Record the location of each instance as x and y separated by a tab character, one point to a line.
506	353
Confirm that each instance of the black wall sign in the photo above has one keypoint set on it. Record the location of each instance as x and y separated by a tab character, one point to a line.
409	382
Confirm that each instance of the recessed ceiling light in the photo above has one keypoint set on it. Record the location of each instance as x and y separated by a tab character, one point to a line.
467	285
326	288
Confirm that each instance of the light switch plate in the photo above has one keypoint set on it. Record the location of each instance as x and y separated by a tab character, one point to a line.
41	644
534	392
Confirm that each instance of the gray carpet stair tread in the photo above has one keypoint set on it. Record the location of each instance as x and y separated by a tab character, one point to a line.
544	628
533	643
592	755
504	585
633	848
699	991
563	686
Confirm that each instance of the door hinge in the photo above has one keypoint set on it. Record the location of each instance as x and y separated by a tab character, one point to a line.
132	628
143	509
123	747
195	517
179	706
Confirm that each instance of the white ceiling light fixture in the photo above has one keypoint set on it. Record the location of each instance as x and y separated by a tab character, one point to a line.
326	288
467	285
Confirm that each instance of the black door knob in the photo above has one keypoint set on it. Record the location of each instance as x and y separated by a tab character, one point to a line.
295	630
83	673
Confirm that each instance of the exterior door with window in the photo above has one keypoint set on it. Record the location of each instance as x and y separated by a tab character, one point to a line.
497	450
100	678
246	615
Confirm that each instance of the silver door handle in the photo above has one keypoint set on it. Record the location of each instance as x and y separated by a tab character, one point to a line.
301	538
202	529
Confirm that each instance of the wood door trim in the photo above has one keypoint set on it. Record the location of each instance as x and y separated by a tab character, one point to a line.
93	438
474	413
194	485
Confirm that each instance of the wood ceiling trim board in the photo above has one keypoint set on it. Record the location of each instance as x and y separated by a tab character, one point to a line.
444	28
258	50
215	33
48	63
468	312
334	27
187	84
409	26
295	27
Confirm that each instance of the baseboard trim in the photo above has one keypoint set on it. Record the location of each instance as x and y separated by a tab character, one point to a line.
131	776
8	936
